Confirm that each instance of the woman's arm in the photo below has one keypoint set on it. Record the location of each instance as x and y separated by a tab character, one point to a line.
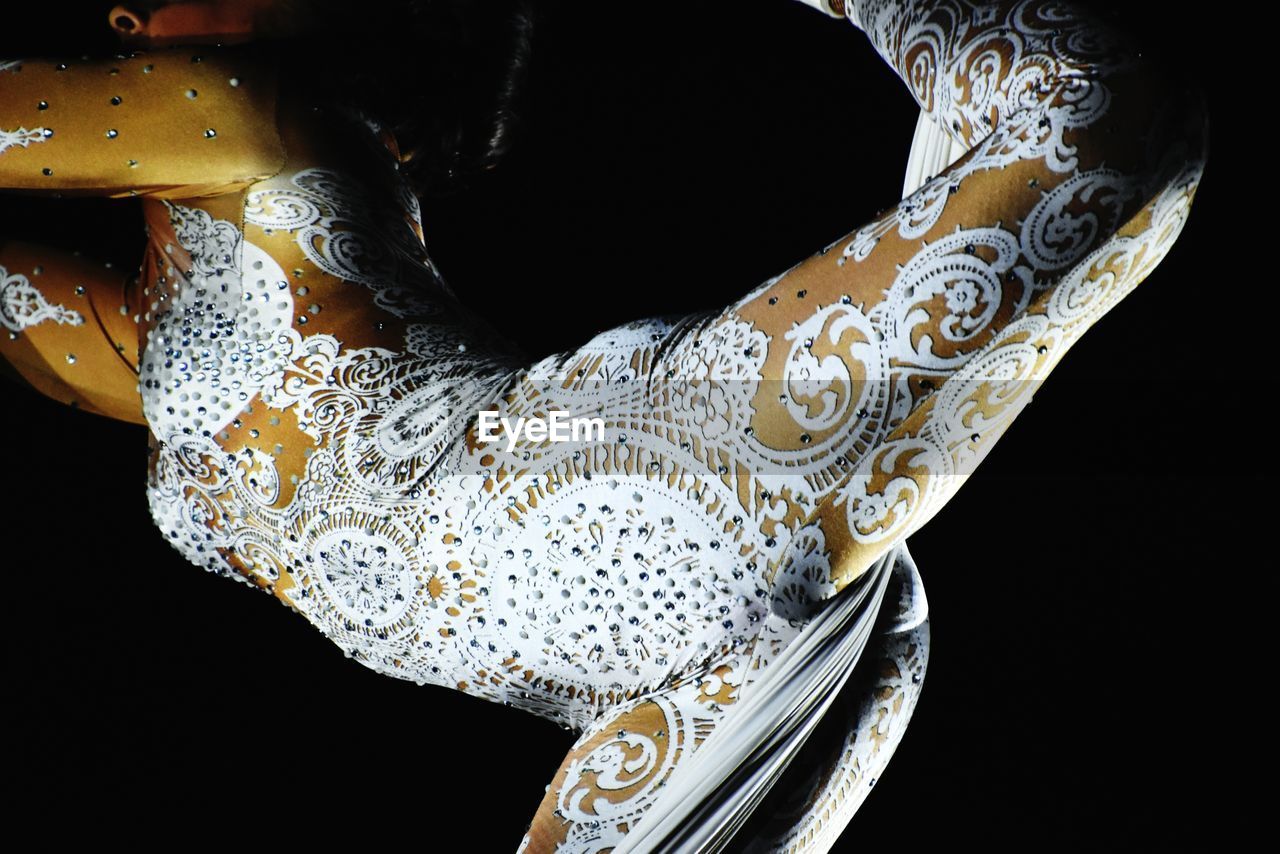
68	327
168	123
889	363
171	123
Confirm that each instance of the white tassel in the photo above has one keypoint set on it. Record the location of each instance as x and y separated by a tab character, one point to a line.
709	796
932	151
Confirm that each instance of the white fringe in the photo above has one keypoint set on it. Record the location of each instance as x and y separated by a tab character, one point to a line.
931	152
711	794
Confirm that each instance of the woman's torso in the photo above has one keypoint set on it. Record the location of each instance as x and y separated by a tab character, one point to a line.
311	382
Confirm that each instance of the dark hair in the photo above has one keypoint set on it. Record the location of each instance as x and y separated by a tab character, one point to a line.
444	75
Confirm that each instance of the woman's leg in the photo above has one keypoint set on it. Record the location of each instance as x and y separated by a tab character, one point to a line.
848	751
878	373
613	775
619	765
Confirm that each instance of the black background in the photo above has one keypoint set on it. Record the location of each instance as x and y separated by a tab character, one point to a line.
1091	587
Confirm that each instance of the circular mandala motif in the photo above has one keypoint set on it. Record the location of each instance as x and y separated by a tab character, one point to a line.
622	585
367	578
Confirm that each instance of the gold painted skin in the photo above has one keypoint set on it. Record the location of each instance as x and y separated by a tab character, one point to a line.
198	127
257	145
120	128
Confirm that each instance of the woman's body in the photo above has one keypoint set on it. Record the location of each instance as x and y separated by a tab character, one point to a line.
319	438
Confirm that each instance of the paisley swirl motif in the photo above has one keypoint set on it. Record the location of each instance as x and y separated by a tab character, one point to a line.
344	232
258	555
1031	135
1060	31
980	400
284	212
820	388
985	66
1054	235
188	515
920	62
971	287
619	764
992	386
23	306
885	492
254	474
616	773
427	417
19	137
